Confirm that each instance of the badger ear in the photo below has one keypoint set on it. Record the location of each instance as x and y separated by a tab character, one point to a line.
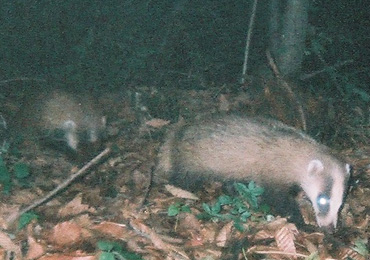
315	166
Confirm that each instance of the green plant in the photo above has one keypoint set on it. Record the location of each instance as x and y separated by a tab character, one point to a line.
19	173
237	209
176	208
113	250
26	218
361	248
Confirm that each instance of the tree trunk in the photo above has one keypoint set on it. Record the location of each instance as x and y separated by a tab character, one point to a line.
288	25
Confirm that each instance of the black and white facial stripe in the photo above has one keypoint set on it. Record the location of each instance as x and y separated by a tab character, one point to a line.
325	188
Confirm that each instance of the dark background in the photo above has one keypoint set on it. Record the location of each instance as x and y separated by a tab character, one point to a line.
112	44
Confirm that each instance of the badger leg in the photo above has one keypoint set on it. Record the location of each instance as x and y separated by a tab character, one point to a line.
283	203
71	136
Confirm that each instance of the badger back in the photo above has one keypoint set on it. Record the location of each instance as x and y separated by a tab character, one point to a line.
267	151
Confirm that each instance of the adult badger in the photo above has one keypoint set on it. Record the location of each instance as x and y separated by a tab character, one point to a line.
62	119
266	151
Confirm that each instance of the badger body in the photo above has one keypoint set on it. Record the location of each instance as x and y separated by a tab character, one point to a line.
266	151
61	118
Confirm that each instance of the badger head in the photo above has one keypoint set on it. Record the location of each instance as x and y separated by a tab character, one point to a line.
325	185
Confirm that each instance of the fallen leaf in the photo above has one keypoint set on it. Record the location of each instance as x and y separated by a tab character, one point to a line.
66	234
157	123
224	235
180	193
116	230
35	250
9	245
285	239
147	232
75	207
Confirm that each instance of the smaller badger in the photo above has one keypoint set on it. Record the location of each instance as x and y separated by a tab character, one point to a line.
62	119
266	151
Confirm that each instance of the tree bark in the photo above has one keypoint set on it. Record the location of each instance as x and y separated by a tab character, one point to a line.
288	26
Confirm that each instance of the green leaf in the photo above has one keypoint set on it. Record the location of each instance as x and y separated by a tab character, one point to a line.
106	256
26	218
216	208
186	208
238	209
313	256
225	200
238	225
240	188
173	210
245	216
21	170
251	185
207	208
114	249
105	245
361	248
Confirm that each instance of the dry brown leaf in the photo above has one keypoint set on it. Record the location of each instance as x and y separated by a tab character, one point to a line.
147	232
24	197
35	250
263	235
7	215
9	245
224	235
116	230
75	207
310	246
349	253
180	193
188	223
208	233
276	224
65	257
285	239
195	240
3	253
84	221
274	253
207	254
157	123
66	234
316	238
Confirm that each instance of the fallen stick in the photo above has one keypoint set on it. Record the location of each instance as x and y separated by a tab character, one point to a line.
60	187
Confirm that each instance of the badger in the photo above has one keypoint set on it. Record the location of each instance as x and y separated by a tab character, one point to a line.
274	155
61	118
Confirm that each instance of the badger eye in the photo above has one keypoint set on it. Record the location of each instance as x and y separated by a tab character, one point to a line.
323	203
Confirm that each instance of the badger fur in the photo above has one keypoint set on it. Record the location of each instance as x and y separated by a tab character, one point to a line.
266	151
59	117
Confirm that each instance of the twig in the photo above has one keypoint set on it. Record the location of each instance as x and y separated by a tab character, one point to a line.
288	89
279	253
61	186
248	41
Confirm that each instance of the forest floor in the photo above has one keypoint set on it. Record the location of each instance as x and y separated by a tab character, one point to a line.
106	213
